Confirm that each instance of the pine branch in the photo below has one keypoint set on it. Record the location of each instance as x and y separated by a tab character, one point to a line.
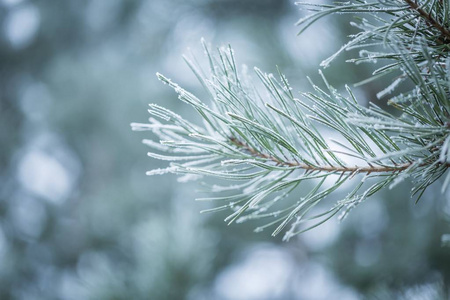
270	143
239	123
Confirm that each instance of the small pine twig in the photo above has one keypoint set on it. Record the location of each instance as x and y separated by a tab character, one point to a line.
339	169
429	18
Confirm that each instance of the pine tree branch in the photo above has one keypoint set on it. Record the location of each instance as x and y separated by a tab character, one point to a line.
429	18
270	145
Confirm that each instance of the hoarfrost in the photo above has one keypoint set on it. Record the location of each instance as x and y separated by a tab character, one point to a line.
162	171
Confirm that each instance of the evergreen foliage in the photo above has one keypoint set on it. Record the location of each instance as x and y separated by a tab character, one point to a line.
269	141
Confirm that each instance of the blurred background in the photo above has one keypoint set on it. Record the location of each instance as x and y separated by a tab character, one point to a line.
80	220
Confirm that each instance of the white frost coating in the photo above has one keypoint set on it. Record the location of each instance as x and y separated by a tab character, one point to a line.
168	149
399	179
390	88
348	207
176	158
291	232
238	162
217	188
161	171
155	145
326	62
144	126
200	161
165	111
369	57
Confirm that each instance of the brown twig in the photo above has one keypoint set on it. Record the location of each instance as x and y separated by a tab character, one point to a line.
429	18
338	169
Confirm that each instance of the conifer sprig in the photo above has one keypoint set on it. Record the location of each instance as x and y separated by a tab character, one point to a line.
274	144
